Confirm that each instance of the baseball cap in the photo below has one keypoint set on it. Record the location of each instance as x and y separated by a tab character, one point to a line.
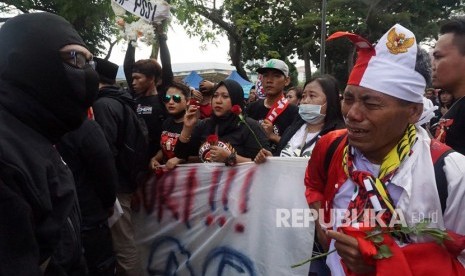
276	64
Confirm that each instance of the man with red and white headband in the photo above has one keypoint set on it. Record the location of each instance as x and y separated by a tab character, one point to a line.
382	171
274	113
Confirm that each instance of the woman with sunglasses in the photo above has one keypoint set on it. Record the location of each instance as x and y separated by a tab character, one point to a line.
223	137
175	101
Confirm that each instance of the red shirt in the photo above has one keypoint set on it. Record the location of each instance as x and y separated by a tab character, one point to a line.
205	111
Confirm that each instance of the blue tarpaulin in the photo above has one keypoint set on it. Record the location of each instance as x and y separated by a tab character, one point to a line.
246	85
193	80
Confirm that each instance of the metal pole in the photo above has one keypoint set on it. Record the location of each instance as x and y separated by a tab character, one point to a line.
323	37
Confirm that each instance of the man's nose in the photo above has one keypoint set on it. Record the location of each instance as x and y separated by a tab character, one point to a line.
354	112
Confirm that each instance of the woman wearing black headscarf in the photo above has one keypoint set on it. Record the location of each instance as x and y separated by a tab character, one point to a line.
225	137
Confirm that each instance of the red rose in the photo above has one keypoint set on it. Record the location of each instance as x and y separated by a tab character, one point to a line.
212	139
367	247
194	102
236	109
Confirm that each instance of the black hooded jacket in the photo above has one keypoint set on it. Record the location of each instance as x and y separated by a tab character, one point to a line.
88	155
109	113
38	104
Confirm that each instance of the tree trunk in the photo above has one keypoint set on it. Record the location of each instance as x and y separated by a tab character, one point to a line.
235	52
307	64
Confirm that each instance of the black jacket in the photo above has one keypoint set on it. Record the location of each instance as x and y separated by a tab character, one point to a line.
32	168
109	114
88	155
39	103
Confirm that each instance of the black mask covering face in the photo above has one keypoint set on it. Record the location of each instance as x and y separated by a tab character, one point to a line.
84	82
47	95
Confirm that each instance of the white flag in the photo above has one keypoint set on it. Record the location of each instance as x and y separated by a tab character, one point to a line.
149	10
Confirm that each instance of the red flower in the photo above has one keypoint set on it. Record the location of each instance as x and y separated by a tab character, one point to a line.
236	109
212	139
367	247
194	102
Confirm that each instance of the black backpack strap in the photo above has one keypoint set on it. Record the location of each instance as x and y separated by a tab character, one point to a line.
331	149
441	180
122	128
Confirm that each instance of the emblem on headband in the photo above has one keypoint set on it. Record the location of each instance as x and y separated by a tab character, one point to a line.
398	43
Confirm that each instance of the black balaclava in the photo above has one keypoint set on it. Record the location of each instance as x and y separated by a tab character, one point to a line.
230	121
36	86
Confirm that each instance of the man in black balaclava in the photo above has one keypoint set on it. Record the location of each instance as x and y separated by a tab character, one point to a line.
47	84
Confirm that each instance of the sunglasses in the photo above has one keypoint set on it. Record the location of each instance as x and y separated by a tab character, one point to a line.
176	98
77	59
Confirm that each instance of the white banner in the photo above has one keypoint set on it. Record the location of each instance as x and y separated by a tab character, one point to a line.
208	219
150	10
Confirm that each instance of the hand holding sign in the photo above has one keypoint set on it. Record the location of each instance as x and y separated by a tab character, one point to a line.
149	10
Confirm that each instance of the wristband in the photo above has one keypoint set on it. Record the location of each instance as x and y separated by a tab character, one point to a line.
231	160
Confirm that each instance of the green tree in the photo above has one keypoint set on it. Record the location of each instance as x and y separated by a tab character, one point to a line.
256	30
371	19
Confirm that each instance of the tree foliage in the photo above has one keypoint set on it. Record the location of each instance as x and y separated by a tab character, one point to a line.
371	19
93	19
262	29
255	29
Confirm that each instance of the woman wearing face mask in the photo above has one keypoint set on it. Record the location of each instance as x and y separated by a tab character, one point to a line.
319	113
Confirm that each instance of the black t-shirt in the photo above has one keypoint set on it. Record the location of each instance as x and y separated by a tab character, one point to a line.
153	113
258	111
455	132
169	137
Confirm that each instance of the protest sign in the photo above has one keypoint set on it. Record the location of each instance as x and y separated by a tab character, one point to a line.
209	219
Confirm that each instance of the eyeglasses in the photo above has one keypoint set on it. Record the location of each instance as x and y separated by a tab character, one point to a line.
77	59
176	98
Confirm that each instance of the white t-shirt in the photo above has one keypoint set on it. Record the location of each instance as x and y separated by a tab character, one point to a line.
294	146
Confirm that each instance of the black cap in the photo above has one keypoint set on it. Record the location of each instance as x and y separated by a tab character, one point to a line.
106	70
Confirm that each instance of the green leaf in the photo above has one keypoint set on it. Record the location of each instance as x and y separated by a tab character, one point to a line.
384	252
377	238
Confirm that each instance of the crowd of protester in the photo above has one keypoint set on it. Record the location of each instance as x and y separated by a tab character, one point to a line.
58	103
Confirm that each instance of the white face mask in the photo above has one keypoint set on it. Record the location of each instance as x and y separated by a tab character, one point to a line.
311	113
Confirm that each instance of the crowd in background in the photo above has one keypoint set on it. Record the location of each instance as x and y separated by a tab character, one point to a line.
57	102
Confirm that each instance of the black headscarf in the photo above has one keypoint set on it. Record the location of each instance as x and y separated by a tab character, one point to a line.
34	84
229	121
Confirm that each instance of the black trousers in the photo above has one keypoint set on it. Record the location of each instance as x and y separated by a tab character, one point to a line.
98	251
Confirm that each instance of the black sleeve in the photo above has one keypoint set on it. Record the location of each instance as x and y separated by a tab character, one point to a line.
129	60
167	71
184	150
288	134
251	144
100	164
107	117
19	254
251	110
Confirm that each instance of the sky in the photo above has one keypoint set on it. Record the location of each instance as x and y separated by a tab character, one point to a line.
182	48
